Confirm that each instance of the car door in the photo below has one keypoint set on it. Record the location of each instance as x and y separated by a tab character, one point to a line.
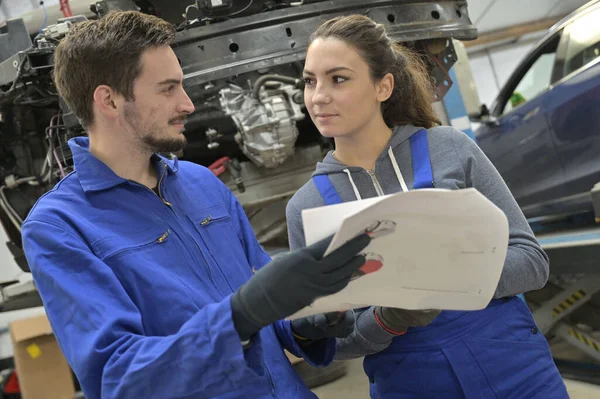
574	107
518	138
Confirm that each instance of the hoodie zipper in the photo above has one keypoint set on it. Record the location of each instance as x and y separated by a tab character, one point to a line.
378	188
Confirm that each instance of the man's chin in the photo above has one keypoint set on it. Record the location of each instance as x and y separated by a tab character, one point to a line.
175	144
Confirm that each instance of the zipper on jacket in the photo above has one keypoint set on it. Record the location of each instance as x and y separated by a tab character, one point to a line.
375	183
208	220
208	268
170	206
163	237
158	189
152	191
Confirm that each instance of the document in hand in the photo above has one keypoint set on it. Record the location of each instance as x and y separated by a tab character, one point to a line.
431	249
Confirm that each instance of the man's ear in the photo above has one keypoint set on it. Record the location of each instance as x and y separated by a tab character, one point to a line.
106	101
385	87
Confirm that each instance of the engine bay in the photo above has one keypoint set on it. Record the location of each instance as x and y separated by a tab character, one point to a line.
242	63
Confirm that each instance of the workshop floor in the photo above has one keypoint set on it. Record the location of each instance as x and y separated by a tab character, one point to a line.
354	385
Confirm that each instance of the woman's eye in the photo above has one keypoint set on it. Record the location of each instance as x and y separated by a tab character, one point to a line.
339	79
308	81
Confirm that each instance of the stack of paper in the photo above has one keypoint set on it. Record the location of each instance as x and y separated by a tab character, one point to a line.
432	249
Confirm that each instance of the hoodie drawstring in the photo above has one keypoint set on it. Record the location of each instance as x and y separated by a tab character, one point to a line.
397	170
356	193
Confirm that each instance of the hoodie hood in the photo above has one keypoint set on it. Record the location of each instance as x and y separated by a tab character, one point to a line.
331	165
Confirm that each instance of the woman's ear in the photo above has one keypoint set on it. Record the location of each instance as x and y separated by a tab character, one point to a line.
385	87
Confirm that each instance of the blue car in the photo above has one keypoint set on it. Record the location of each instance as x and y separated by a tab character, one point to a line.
543	130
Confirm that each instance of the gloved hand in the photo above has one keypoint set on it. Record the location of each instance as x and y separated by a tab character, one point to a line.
292	281
324	325
401	319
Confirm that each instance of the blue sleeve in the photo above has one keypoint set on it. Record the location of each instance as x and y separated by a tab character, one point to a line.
318	354
101	334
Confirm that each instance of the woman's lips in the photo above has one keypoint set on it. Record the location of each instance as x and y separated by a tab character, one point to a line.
325	117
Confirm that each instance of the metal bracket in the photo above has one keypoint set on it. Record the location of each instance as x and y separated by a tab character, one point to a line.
586	343
563	304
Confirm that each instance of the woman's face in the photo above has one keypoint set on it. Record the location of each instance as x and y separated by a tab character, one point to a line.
339	94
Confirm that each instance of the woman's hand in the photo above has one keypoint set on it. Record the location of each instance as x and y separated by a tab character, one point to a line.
399	320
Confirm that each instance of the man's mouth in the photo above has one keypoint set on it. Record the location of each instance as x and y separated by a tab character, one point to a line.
177	122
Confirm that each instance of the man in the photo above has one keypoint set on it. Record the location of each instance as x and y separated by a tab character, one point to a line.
145	265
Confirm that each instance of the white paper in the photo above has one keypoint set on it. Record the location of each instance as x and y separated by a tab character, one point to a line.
440	249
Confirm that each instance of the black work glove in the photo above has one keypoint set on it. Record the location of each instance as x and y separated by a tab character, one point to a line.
401	319
324	325
293	281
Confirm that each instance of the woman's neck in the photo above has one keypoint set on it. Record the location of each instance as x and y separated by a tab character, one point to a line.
363	147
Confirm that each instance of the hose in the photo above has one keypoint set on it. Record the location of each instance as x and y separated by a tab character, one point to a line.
279	78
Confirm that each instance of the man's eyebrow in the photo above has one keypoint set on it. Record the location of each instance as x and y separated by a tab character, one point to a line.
169	81
330	71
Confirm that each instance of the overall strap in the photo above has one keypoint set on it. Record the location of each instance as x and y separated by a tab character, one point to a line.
328	192
423	176
419	146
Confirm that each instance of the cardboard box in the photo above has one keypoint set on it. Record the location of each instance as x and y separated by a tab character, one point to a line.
293	359
42	369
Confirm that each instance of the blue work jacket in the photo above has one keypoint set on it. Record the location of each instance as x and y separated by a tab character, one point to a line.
137	287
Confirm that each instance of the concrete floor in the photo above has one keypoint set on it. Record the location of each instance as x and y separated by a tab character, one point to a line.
354	385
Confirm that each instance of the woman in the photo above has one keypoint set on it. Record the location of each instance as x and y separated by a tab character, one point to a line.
373	98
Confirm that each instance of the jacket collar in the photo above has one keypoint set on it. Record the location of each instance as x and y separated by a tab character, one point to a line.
95	175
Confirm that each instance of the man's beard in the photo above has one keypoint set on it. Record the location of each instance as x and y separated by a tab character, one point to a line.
150	134
163	144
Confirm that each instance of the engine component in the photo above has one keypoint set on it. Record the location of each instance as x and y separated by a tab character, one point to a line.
213	5
266	125
13	44
232	166
60	29
237	46
14	38
240	59
211	135
8	160
284	79
34	60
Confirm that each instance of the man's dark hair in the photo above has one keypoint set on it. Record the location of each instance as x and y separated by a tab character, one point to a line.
108	52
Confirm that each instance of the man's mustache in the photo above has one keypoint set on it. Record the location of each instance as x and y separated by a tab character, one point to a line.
179	119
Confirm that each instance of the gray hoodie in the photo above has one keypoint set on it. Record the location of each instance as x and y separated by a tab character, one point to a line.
457	162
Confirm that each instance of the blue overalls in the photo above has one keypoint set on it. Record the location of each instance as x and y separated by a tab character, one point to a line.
496	352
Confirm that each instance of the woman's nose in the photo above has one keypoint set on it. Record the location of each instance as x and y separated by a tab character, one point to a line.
321	95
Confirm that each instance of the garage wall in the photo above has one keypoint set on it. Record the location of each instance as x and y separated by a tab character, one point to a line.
14	8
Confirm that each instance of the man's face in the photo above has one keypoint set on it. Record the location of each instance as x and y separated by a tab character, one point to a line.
156	116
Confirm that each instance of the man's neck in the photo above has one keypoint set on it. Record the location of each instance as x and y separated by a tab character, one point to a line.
364	147
126	160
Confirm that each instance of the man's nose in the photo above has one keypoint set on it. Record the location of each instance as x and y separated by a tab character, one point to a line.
186	106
